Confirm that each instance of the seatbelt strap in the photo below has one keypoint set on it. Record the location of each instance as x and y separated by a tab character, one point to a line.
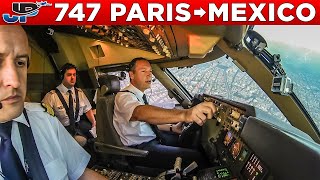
64	103
154	128
35	168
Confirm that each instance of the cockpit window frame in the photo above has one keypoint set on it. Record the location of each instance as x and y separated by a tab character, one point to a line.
265	57
178	84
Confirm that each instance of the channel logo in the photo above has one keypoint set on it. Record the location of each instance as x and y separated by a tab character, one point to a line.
23	10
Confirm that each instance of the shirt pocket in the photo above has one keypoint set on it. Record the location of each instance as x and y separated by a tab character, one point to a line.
60	111
62	115
57	170
81	108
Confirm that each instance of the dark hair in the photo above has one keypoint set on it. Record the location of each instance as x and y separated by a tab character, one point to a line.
66	67
133	62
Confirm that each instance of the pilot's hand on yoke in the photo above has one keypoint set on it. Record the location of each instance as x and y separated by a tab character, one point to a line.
200	113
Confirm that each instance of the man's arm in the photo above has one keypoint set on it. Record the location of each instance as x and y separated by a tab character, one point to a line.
157	115
91	117
87	108
89	174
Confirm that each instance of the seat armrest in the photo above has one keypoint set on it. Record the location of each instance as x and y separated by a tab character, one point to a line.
125	151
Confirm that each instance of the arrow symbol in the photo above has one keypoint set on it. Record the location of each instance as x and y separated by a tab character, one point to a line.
199	12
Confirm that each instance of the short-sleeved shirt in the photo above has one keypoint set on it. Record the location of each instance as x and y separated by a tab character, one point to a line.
62	157
52	99
130	132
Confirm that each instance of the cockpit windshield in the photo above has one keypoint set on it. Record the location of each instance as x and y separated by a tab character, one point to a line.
223	78
300	53
297	46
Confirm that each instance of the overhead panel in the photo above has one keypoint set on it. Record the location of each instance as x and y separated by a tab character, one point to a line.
111	53
151	38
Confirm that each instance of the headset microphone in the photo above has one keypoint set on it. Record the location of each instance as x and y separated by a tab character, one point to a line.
153	79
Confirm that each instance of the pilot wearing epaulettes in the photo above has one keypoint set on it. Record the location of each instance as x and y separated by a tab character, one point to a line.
69	103
46	128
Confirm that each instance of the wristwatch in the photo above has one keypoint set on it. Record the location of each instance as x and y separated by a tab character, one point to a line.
171	127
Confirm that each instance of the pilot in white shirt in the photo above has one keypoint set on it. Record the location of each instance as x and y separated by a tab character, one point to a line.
52	99
139	125
131	132
62	108
62	157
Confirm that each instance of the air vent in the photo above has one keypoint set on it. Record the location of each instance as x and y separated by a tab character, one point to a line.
97	52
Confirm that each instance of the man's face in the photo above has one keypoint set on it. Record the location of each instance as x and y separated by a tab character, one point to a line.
69	78
141	75
14	54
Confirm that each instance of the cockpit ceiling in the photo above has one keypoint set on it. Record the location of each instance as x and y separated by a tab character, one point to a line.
103	45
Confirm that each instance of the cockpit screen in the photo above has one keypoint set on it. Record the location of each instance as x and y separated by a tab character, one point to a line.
236	149
228	138
254	169
243	154
223	173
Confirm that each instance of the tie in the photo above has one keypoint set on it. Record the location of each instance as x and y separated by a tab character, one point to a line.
144	97
10	162
154	128
71	110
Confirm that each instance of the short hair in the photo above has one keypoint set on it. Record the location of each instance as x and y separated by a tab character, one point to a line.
66	67
133	62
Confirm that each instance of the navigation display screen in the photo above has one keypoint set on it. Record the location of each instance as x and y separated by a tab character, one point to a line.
223	173
236	149
254	169
243	154
228	138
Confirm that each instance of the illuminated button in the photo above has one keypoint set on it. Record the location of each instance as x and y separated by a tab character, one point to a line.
235	114
146	31
151	39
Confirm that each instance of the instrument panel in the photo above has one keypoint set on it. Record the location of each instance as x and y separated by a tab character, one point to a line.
229	116
235	158
112	174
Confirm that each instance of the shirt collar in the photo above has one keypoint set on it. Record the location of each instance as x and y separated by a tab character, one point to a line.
64	89
135	90
21	119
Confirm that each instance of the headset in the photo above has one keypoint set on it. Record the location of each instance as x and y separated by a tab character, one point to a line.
66	67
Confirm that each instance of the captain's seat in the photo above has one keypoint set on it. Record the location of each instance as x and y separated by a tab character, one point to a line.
108	140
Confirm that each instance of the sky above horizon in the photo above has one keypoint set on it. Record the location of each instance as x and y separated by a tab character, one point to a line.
302	36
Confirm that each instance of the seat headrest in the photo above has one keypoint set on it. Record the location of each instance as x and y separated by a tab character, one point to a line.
109	84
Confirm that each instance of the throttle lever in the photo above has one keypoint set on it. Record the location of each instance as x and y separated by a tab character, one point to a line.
189	168
177	169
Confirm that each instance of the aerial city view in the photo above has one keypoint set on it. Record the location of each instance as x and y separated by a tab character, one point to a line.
221	77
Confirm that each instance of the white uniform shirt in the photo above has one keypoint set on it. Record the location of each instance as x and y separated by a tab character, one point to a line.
52	99
130	132
62	157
